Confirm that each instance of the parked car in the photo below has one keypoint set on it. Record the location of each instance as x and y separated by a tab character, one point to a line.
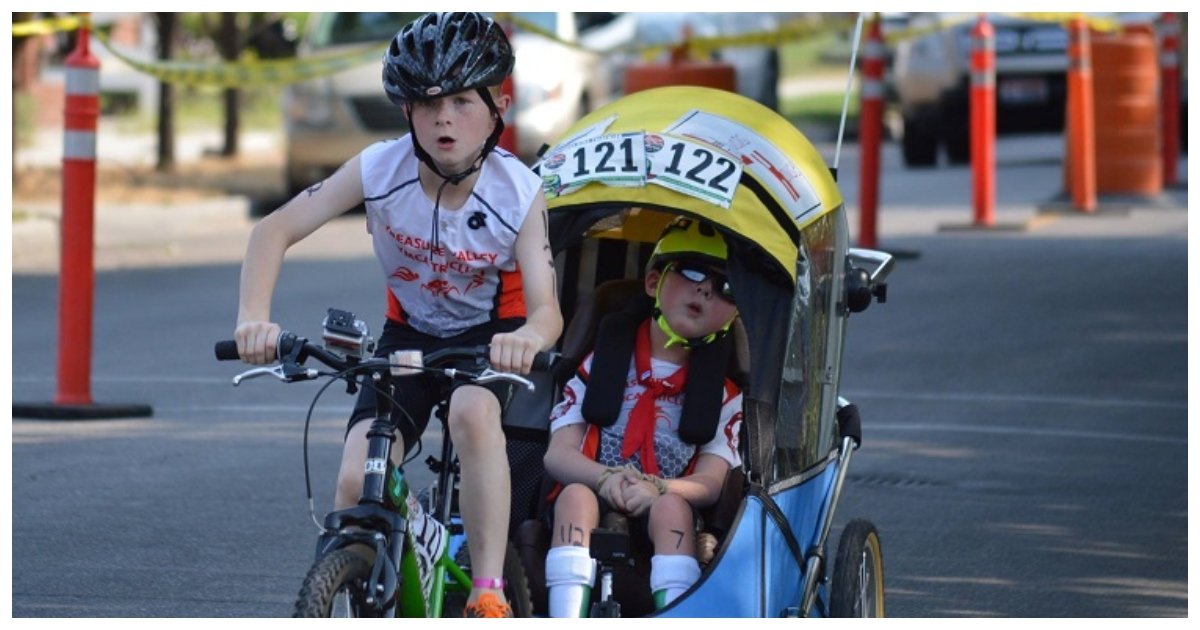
931	74
757	67
329	120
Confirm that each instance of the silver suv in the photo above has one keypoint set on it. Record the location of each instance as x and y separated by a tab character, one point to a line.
931	76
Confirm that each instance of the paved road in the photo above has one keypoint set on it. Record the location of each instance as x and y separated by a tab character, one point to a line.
1024	397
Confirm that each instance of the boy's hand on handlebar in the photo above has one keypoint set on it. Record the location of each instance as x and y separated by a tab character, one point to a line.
514	351
257	341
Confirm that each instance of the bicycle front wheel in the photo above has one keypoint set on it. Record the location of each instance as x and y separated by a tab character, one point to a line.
335	586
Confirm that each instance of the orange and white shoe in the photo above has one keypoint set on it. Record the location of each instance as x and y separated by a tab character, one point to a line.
488	606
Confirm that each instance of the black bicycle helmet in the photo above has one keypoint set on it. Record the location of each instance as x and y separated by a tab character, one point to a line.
443	53
439	54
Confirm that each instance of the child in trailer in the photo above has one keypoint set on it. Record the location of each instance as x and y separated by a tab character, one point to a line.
633	444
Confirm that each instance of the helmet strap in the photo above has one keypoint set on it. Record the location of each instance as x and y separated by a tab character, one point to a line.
674	338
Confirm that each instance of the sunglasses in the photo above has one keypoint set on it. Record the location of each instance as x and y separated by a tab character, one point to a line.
697	273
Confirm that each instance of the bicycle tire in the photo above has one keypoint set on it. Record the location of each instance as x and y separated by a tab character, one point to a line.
857	587
516	585
335	586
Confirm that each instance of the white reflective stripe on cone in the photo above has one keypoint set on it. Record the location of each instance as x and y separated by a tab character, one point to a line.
873	50
872	89
83	82
79	145
983	78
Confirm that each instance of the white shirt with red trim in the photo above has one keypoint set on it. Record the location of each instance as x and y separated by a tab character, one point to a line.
470	276
673	454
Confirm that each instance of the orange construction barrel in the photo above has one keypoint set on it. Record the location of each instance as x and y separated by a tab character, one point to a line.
721	76
1128	133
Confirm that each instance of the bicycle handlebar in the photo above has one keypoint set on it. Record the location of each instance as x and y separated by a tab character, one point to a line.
227	351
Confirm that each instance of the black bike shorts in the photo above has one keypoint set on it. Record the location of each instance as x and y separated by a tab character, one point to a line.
418	394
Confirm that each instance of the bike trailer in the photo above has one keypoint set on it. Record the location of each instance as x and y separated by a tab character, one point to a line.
612	184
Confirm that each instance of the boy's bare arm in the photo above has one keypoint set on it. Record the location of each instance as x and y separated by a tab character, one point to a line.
269	241
543	320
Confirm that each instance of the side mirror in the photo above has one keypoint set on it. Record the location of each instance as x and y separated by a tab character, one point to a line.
861	285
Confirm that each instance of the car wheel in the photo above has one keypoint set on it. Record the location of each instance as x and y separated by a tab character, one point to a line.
919	143
958	143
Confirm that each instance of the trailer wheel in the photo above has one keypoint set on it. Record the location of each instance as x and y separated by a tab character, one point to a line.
857	587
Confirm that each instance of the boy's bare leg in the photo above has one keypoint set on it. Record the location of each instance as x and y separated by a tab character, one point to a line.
485	489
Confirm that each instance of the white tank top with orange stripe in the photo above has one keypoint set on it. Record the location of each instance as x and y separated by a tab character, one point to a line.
445	279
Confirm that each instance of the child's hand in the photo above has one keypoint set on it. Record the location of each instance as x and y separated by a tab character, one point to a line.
256	341
611	489
639	495
514	351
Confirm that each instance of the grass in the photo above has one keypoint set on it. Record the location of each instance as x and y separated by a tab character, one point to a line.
824	110
825	54
820	54
203	107
25	123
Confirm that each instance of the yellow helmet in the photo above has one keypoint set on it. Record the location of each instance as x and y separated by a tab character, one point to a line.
688	238
691	239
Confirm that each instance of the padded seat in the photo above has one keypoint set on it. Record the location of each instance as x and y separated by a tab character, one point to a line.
532	538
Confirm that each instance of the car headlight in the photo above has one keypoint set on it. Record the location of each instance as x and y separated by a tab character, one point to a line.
309	105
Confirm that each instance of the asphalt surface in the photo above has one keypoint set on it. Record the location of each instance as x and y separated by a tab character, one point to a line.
1024	396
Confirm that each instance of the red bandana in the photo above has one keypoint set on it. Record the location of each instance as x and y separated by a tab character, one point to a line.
639	432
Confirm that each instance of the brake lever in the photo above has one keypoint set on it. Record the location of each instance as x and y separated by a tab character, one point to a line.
287	373
489	375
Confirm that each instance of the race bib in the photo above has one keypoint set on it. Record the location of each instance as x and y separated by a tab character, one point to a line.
612	160
692	168
636	159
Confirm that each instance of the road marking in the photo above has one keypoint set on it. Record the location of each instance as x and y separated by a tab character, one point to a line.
1031	432
253	409
1021	398
208	380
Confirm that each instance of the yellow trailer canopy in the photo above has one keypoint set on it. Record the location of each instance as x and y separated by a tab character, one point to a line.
708	153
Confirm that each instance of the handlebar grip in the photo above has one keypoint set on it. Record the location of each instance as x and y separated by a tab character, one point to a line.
545	361
226	350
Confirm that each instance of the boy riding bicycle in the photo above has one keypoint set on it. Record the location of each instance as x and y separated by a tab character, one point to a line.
654	457
459	228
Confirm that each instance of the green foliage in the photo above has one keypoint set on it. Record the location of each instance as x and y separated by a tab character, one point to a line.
203	107
26	118
819	109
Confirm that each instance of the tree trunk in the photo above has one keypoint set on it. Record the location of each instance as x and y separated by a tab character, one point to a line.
230	46
168	28
25	67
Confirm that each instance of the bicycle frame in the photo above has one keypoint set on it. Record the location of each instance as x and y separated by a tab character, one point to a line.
382	507
377	527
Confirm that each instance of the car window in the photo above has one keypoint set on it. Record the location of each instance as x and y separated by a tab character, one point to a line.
547	21
336	29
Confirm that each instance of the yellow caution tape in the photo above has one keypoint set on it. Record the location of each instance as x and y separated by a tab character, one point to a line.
250	72
792	31
48	26
1106	25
